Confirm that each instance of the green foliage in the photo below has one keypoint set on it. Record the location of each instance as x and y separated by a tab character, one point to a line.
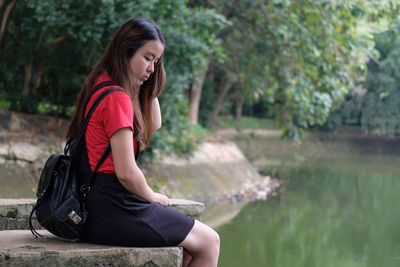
247	123
378	110
300	57
4	104
189	34
182	143
292	60
311	60
51	46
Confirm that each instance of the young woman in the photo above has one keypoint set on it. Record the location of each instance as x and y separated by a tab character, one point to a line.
123	209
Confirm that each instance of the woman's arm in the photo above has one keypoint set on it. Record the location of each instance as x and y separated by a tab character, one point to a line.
156	114
128	173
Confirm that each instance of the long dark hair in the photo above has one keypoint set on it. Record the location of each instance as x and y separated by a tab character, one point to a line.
115	62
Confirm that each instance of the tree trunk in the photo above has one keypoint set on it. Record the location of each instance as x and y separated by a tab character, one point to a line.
195	95
226	85
27	77
6	7
211	73
238	108
31	83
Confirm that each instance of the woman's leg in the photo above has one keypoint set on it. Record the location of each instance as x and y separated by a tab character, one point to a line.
202	243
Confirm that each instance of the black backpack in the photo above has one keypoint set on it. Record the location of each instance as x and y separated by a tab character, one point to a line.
65	182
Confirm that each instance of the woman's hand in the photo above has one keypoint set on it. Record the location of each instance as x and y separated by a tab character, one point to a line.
161	198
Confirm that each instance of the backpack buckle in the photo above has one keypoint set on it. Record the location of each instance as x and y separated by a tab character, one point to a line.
85	189
74	217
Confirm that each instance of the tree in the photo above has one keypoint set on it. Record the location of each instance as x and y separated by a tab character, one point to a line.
51	46
195	94
302	56
6	6
205	29
374	105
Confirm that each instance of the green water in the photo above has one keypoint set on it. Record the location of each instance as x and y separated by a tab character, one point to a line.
341	207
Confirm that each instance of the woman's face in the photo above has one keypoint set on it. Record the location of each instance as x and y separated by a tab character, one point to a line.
143	62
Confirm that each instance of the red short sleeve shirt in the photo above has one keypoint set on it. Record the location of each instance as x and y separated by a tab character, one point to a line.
114	112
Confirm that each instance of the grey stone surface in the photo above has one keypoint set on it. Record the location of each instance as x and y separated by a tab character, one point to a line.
20	248
4	150
17	208
17	224
189	207
14	213
25	151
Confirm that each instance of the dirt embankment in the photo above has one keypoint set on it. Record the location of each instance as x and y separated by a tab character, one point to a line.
21	127
218	170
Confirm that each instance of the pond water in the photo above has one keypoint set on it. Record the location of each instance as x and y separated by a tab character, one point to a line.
340	208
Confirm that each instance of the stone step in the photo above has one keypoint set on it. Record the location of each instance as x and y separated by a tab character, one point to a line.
15	212
21	248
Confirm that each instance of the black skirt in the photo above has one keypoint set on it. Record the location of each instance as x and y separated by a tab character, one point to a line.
120	218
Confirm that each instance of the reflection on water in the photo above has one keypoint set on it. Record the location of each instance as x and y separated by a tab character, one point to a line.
340	209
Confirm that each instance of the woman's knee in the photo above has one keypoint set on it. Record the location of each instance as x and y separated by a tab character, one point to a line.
202	238
212	241
215	238
209	236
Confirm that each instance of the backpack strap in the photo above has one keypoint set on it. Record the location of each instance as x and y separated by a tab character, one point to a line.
94	106
104	84
98	87
85	188
71	144
33	230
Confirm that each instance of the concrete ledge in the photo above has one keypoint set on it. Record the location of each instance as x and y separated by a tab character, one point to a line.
16	208
15	212
21	248
189	207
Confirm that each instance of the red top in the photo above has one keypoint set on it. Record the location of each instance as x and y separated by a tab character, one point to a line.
114	112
